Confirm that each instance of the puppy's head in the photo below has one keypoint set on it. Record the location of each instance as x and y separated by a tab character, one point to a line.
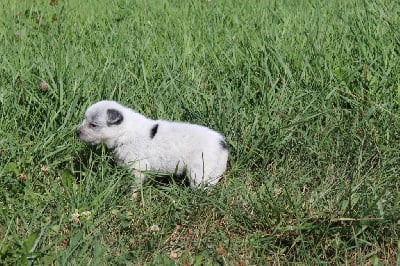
102	123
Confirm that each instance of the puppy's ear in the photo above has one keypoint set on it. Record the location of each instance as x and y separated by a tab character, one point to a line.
114	117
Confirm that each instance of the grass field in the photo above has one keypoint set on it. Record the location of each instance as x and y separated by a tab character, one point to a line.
306	93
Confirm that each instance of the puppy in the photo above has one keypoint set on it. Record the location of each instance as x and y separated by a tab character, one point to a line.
156	145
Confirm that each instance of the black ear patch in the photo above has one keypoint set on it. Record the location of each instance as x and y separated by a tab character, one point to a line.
153	131
114	117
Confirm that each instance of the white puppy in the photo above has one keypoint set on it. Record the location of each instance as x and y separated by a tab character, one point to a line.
156	145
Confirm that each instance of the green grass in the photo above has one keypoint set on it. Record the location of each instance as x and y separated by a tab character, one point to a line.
306	93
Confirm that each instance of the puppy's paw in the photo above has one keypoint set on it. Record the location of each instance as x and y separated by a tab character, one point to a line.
135	192
135	195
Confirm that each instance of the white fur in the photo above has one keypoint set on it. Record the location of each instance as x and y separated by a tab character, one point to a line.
176	146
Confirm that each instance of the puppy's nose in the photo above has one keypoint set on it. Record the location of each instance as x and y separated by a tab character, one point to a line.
78	132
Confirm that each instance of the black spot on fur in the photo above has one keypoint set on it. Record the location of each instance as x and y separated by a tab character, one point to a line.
114	117
153	131
223	144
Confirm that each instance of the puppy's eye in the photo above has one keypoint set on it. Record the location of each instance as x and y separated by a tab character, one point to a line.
92	125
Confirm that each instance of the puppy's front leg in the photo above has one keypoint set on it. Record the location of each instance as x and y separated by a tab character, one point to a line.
139	178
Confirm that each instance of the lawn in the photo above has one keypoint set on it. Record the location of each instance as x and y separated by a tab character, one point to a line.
305	92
